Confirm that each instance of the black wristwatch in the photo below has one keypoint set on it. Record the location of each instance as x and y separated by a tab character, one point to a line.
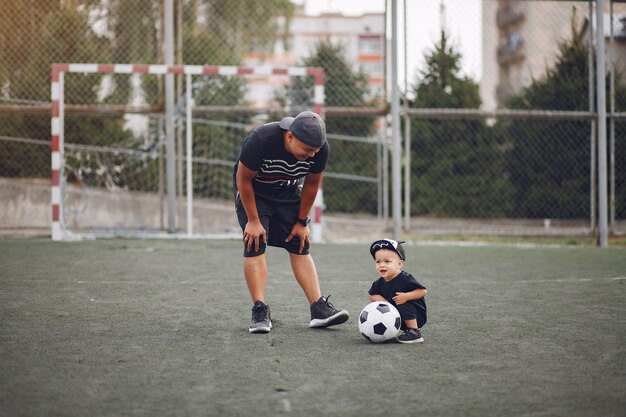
304	222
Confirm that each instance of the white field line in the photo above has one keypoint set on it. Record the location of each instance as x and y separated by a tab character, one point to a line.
286	405
322	281
478	281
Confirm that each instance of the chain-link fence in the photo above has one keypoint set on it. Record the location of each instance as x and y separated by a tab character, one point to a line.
523	56
125	157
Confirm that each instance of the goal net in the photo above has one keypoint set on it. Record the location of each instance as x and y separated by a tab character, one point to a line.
110	139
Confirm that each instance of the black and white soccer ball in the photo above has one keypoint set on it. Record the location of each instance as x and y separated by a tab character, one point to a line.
379	321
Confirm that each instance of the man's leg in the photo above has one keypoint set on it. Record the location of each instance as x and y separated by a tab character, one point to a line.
306	274
255	271
323	313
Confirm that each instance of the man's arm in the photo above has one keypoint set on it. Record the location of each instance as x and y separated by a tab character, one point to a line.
254	230
311	186
312	183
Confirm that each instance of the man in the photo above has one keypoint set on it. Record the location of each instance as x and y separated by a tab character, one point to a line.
276	177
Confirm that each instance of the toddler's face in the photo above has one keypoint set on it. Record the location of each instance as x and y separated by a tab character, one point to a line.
388	263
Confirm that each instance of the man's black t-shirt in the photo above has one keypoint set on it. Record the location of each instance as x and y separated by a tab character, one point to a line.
279	173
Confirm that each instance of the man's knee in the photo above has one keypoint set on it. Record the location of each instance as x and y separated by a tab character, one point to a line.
252	253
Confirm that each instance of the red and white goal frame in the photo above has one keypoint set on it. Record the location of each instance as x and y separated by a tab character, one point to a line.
59	230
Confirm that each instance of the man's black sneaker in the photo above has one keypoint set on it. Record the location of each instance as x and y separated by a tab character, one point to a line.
410	336
324	314
261	318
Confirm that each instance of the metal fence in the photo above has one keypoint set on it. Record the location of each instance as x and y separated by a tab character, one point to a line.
492	166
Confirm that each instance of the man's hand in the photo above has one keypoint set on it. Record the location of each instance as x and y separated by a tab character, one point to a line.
302	232
252	234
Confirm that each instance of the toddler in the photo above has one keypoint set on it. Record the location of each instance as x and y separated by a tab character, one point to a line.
399	288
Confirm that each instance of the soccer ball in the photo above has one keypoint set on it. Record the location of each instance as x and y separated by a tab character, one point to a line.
379	321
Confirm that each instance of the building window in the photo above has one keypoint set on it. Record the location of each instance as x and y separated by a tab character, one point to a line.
370	45
374	68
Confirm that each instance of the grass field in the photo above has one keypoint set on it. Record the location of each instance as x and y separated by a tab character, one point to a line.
159	328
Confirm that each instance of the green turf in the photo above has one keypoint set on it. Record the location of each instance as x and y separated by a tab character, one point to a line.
159	328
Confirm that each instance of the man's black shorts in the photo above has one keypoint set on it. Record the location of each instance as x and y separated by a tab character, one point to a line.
278	220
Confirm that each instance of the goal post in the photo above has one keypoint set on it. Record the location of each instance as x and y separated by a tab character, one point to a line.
60	229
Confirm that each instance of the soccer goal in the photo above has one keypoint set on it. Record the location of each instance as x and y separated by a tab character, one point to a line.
109	144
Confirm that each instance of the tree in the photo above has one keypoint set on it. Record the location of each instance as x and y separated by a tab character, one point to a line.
342	88
457	168
34	34
51	40
549	161
232	29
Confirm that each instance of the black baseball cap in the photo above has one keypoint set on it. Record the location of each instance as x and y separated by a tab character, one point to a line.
308	127
390	244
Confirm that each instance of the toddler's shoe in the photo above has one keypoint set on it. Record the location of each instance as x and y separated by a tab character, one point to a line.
410	336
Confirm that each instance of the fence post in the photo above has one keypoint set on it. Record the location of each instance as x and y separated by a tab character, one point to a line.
189	136
57	159
316	223
170	151
318	103
602	151
396	198
592	136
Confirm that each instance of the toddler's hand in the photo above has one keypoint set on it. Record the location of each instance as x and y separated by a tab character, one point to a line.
400	298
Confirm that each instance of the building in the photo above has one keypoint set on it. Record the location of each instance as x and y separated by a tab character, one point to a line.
362	38
521	41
